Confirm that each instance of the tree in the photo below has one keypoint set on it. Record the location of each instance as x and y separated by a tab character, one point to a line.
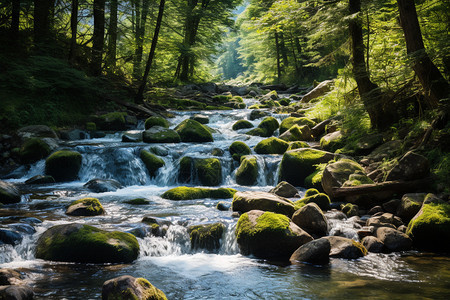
73	30
112	40
141	12
43	15
15	20
98	37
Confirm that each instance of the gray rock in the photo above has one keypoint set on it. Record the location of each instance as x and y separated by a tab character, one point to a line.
285	189
16	292
103	185
315	252
393	240
411	166
9	193
342	247
373	244
320	90
311	219
247	201
133	288
36	131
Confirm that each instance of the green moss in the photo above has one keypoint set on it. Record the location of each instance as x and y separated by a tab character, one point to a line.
92	205
254	106
156	121
266	128
247	173
284	101
112	121
242	124
206	236
164	135
357	179
311	192
350	210
321	199
237	99
91	126
297	145
209	171
150	291
271	145
192	131
291	121
314	180
63	165
137	201
299	204
190	193
238	149
222	98
152	162
360	247
267	222
221	193
33	150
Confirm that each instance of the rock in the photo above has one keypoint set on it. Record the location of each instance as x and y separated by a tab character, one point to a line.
217	152
16	292
247	173
74	134
85	207
385	219
114	121
332	141
209	171
258	114
156	121
193	131
297	133
34	149
247	201
40	179
202	119
357	179
373	244
297	145
336	174
393	240
159	150
386	150
223	206
63	165
103	185
375	209
132	137
287	123
190	193
10	277
238	149
266	128
285	189
409	206
152	162
242	124
86	244
314	180
342	247
368	143
158	134
350	210
269	235
9	193
391	206
206	237
128	287
315	252
411	166
311	219
159	226
298	164
22	228
137	201
430	227
36	131
321	199
10	237
185	169
320	90
319	129
271	145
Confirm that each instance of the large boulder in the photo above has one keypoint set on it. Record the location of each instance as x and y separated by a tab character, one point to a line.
320	90
269	235
384	220
206	237
193	131
297	133
247	173
9	193
258	114
242	124
410	206
316	252
86	244
16	292
336	174
246	201
128	287
266	128
298	164
36	131
33	150
332	141
238	149
190	193
393	240
287	123
322	200
271	145
342	247
373	244
311	219
411	166
209	171
63	165
113	121
156	121
85	207
285	189
158	134
430	227
103	185
152	162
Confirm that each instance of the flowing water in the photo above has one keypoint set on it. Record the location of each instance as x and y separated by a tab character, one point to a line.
168	262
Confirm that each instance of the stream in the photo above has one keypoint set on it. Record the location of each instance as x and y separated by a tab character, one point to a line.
168	262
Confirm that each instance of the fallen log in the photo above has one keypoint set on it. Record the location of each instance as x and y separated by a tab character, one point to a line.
134	107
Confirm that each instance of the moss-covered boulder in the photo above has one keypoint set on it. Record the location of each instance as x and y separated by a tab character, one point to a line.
9	193
291	121
185	169
298	164
311	192
266	128
128	287
297	133
158	134
311	219
209	171
337	173
410	206
411	166
321	199
156	121
269	235
246	201
242	124
238	149
33	150
357	179
247	173
85	207
192	131
86	244
114	121
332	141
190	193
430	227
152	162
63	165
271	145
350	210
285	189
297	145
202	119
257	114
342	247
314	180
206	237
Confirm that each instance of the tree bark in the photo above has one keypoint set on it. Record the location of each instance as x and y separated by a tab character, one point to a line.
74	30
15	20
151	55
98	38
431	79
283	50
112	38
142	9
277	47
42	20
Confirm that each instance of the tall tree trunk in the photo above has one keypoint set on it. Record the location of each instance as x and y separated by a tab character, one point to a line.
431	79
42	20
283	50
74	30
277	47
112	41
151	55
98	38
369	92
15	20
142	9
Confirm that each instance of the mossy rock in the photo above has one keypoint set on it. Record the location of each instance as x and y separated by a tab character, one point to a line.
190	193
128	287
269	235
9	193
137	201
298	164
410	205
297	145
85	207
247	173
297	133
332	141
152	162
242	124
257	114
314	180
311	192
91	126
202	119
86	244
237	99
291	121
337	173
33	150
63	165
185	169
192	131
206	237
430	227
350	210
222	98
247	201
321	199
158	134
238	149
209	171
156	121
266	128
357	179
284	102
271	145
112	121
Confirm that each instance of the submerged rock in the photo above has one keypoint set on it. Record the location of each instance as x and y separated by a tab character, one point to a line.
85	207
247	201
128	287
315	252
9	193
10	237
247	173
206	237
102	185
63	165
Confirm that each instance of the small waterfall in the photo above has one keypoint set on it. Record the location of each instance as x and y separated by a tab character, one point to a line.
175	242
339	225
229	245
22	252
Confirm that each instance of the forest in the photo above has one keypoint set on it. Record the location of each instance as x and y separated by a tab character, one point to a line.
190	137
